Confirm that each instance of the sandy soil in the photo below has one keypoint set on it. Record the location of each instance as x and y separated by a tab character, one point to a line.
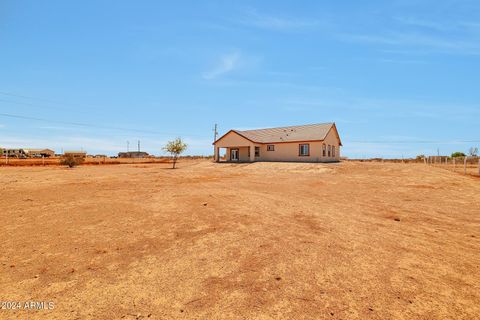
247	241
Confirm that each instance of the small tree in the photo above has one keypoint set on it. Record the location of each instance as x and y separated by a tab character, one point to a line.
71	161
473	151
175	148
420	157
458	154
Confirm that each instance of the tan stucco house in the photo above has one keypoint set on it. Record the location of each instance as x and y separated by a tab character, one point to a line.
307	143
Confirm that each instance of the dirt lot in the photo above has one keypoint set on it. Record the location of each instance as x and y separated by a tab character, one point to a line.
247	241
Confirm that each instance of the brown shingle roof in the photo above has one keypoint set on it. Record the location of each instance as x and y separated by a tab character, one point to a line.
307	132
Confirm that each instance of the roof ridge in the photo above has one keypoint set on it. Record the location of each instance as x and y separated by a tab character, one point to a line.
301	125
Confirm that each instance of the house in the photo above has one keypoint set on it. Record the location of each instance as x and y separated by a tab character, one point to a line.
306	143
14	153
27	153
133	154
39	153
75	154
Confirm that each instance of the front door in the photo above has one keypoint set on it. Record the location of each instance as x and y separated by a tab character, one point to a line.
233	154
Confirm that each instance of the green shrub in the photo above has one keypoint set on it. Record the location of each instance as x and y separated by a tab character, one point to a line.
458	154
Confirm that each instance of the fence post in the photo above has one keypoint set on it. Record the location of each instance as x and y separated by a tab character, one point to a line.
465	165
454	164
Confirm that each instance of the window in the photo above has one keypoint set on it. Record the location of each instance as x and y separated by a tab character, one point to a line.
333	151
329	150
304	149
257	151
324	148
270	147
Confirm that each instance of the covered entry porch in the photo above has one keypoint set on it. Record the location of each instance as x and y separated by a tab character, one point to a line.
236	153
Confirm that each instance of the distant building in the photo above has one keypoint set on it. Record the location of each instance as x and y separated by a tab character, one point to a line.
75	154
27	153
133	154
39	153
14	153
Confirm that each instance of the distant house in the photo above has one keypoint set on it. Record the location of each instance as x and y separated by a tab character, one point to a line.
306	143
14	153
75	154
133	154
39	153
27	153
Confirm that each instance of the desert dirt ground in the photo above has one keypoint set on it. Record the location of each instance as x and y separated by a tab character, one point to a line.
241	241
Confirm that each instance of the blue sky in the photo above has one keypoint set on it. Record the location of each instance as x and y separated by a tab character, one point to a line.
399	78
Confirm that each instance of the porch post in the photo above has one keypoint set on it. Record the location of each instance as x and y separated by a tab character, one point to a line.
215	154
252	153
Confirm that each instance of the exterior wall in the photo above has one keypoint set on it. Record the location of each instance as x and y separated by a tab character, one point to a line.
233	140
289	151
332	139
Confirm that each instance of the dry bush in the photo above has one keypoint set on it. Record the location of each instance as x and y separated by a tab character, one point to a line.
72	161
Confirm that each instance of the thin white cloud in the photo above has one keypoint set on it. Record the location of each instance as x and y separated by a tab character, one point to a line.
427	24
404	61
255	19
227	63
419	41
58	128
418	35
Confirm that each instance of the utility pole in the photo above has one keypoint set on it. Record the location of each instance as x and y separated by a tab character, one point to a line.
138	145
128	146
215	133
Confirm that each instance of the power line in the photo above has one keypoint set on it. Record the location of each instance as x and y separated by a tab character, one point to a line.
35	98
33	105
87	125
